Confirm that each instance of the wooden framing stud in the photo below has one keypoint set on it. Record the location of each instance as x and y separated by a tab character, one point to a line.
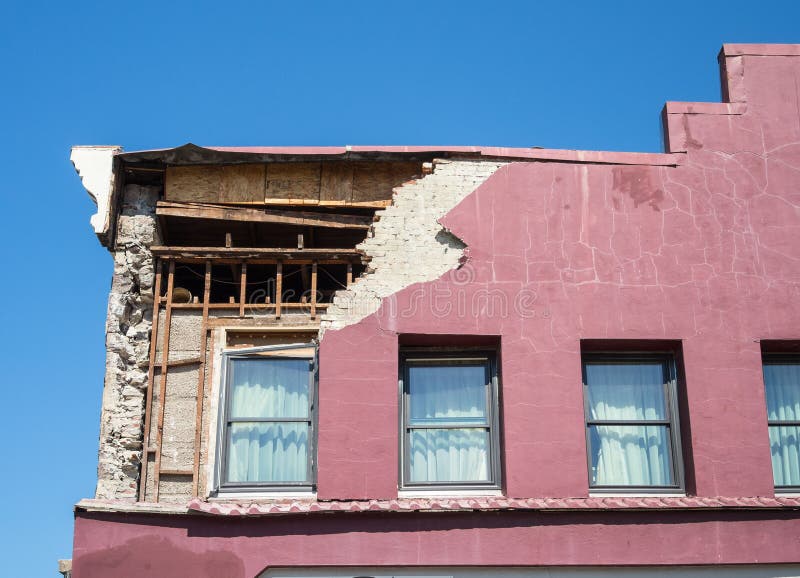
148	406
243	289
278	289
162	390
201	380
313	290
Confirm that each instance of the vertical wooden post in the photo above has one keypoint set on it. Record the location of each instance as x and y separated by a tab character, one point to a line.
242	289
148	406
313	289
201	380
162	390
278	290
349	274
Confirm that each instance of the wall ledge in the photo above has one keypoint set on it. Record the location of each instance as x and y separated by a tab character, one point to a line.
282	506
761	49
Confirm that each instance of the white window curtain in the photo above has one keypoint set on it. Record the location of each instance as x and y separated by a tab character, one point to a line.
628	455
782	381
268	451
448	395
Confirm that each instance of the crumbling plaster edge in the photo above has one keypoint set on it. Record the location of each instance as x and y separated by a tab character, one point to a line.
95	166
370	306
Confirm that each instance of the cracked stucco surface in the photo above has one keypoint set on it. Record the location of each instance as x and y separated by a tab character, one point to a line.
703	255
407	244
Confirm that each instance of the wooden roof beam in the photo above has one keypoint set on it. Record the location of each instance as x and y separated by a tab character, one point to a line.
258	253
251	215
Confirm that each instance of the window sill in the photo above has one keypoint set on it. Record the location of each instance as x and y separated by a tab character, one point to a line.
622	494
227	495
476	493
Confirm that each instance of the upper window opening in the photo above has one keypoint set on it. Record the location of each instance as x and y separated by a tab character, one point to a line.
450	421
631	421
268	424
782	383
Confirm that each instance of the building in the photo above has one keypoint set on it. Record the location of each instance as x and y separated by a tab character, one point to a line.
457	361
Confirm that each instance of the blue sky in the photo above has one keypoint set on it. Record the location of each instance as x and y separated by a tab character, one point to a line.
586	75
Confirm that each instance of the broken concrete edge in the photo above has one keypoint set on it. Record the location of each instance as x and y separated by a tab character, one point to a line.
94	505
95	166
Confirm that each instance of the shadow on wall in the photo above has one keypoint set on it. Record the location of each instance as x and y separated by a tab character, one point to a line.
158	556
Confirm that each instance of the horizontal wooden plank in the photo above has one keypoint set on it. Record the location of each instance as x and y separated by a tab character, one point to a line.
263	322
327	203
183	362
164	472
331	183
266	306
250	253
300	218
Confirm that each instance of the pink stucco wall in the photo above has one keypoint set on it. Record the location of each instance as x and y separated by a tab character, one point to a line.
132	546
703	254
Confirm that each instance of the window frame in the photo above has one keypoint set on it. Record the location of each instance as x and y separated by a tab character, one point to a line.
779	359
224	422
672	421
431	356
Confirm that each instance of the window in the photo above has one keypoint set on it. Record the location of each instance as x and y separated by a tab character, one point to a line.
268	422
632	433
782	383
449	419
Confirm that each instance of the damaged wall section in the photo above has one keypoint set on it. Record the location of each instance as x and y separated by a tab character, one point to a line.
407	244
130	311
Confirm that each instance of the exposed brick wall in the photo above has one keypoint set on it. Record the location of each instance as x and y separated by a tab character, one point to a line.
407	244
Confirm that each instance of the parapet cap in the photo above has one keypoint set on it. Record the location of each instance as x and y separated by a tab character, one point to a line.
729	50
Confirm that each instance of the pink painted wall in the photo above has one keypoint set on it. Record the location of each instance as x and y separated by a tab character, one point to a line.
705	253
133	546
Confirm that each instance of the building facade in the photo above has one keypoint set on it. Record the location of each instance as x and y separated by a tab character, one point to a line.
457	361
